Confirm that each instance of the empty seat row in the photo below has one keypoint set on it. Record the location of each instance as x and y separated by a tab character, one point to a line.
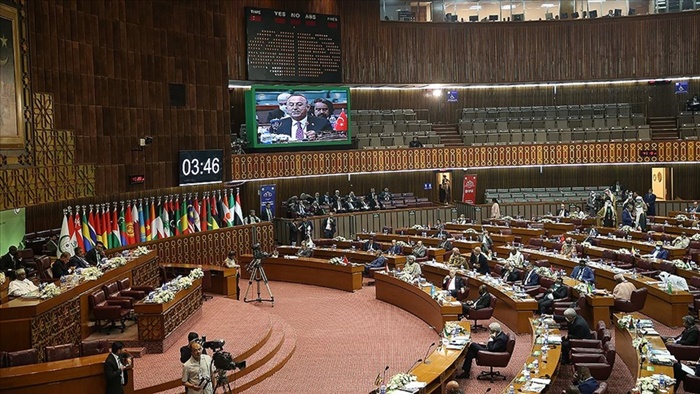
556	136
394	128
688	117
484	125
689	131
611	109
363	141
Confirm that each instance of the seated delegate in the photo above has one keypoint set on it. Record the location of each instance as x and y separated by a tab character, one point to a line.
497	342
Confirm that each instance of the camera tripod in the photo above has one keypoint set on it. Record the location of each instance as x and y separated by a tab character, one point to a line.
222	381
258	275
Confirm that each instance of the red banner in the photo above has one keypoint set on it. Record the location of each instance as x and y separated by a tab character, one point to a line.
469	193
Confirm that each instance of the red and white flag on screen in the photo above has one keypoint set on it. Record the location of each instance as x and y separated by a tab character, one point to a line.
342	123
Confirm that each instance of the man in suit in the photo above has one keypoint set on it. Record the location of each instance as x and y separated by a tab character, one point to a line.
419	250
371	245
115	367
627	218
329	225
395	248
659	252
582	273
300	126
294	228
531	277
578	329
563	212
509	274
650	200
11	261
478	260
680	374
379	261
79	260
445	243
690	335
497	342
584	382
555	292
456	285
60	267
306	228
484	301
486	242
96	254
267	215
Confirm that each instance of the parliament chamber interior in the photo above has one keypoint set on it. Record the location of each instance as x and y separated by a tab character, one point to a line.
325	196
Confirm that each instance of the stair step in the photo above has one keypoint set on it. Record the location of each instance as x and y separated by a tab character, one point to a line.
136	352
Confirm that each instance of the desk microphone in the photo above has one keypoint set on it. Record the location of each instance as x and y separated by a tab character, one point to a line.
414	364
426	361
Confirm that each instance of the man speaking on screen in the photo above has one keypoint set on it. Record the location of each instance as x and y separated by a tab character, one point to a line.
300	126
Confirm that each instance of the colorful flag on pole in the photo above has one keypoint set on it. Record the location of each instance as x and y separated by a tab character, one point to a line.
238	210
226	212
203	215
78	230
164	229
185	227
95	222
142	222
115	237
85	227
177	218
135	222
342	123
106	225
129	225
122	226
147	220
64	240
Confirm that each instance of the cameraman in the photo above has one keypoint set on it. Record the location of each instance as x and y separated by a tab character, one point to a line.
197	372
185	352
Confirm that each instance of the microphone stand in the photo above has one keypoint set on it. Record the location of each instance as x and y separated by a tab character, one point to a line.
414	364
425	359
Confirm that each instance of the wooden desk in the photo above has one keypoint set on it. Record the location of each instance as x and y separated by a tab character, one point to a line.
524	233
442	365
433	253
512	311
80	375
646	247
157	321
631	356
415	300
310	271
666	308
673	221
598	305
65	318
355	256
223	279
548	366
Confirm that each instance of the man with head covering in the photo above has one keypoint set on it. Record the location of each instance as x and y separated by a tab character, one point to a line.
411	270
682	242
457	261
623	290
606	214
677	283
497	342
568	249
515	257
21	285
640	216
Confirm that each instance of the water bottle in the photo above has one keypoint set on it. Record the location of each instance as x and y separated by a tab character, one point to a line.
511	389
536	367
382	389
526	372
432	290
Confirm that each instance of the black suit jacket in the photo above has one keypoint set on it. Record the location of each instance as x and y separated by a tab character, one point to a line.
499	343
689	336
374	245
113	376
325	224
481	264
75	261
459	283
314	124
58	269
91	256
512	276
265	217
578	329
560	292
7	262
484	301
533	280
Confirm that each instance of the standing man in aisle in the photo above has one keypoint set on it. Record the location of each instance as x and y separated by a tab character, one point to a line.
115	369
329	225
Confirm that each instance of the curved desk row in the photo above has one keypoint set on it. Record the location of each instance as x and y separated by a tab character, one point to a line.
638	364
354	256
434	253
547	364
415	300
512	310
65	318
660	305
308	270
616	244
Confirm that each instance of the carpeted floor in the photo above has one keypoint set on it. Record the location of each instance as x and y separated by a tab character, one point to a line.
344	339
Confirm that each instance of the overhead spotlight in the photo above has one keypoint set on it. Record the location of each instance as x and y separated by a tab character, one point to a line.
437	92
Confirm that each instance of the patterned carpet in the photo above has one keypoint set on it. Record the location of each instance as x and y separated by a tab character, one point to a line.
343	340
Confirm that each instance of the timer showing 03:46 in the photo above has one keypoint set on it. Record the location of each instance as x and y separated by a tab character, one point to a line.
202	166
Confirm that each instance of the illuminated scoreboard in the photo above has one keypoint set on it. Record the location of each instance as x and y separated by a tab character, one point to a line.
292	46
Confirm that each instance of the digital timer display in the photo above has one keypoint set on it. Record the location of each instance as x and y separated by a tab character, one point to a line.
649	153
201	166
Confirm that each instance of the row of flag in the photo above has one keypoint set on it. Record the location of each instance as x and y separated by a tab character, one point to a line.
134	221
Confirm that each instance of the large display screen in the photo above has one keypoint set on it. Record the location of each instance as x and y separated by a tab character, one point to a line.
297	116
293	46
